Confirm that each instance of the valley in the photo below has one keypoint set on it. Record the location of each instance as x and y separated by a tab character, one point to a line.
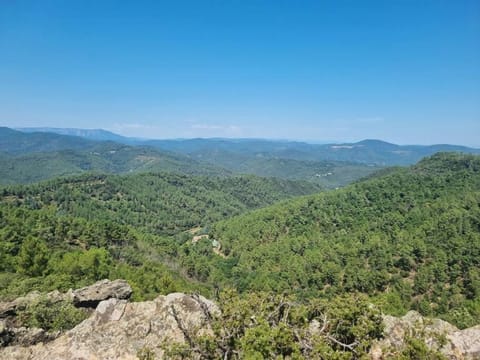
398	238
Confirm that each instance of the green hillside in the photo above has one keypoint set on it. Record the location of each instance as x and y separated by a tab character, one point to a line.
368	152
409	239
42	249
103	157
16	142
329	174
163	203
37	155
69	232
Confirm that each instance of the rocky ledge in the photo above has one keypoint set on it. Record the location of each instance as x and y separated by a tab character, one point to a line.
121	330
437	334
88	296
118	329
13	331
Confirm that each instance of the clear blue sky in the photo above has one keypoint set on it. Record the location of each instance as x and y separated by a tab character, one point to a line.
398	70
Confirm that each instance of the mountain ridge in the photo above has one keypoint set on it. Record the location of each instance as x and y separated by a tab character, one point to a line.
30	157
367	151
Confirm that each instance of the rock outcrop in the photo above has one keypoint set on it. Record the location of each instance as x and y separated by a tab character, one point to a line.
120	330
91	296
88	296
10	308
437	334
14	332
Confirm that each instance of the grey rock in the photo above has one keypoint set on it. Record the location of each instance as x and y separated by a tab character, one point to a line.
28	336
10	308
6	335
118	330
91	296
437	334
463	344
13	333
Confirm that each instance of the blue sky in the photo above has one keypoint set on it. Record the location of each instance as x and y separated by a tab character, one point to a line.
402	71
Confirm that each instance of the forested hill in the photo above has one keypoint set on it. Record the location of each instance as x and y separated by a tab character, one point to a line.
27	157
32	157
162	203
214	149
104	157
410	239
370	152
66	233
16	142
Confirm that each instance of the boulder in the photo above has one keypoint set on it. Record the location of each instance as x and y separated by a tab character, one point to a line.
91	296
22	335
12	329
437	334
463	344
6	335
120	330
28	336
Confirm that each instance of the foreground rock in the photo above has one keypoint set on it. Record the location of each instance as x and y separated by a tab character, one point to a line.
437	334
10	308
12	327
120	330
117	329
90	296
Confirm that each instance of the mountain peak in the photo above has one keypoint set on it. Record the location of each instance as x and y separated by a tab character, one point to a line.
91	134
375	142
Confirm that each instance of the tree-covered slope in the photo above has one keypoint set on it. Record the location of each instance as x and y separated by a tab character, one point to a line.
365	152
68	232
31	156
16	142
43	249
411	239
162	203
101	157
329	174
408	239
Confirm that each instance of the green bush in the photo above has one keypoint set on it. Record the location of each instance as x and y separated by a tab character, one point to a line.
52	316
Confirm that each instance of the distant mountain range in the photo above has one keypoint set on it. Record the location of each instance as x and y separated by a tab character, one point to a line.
31	157
35	154
372	152
15	142
91	134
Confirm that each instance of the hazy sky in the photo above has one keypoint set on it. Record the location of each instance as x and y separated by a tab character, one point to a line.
398	70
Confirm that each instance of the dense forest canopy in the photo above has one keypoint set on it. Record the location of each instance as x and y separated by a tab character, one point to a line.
163	203
52	233
407	238
34	156
228	151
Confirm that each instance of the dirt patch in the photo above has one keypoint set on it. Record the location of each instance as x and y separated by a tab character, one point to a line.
196	238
